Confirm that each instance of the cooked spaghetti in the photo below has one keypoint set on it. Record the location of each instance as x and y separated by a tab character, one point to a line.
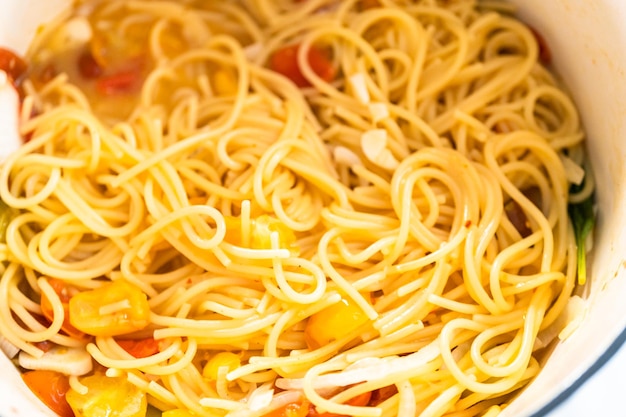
291	208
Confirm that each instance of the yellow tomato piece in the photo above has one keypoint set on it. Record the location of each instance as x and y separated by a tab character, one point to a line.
229	360
264	226
334	322
177	413
114	309
110	397
224	83
260	232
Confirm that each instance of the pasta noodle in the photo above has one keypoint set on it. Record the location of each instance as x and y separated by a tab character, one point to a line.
390	226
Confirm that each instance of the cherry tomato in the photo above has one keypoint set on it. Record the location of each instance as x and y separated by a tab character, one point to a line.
121	83
50	387
285	62
12	64
114	309
88	66
140	348
65	292
334	322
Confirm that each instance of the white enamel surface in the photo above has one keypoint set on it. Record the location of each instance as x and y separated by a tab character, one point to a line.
588	42
9	132
18	22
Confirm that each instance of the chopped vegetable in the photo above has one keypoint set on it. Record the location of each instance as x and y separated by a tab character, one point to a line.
88	67
123	82
114	309
227	360
345	156
575	313
67	360
65	292
114	49
583	221
264	226
379	111
14	66
51	388
8	348
374	146
333	323
108	396
575	173
285	62
140	348
224	83
359	87
260	232
76	32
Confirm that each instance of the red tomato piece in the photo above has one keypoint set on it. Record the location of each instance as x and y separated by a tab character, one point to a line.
12	64
121	83
88	66
140	348
65	292
50	387
285	62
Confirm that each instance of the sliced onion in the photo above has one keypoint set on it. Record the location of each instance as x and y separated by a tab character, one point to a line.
367	369
8	348
67	360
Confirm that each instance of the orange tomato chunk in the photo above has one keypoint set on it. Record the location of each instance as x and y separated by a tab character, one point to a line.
50	387
140	348
65	292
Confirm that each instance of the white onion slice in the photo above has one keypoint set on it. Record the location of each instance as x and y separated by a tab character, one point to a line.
69	361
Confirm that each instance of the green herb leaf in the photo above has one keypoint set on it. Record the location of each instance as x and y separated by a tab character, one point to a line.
583	220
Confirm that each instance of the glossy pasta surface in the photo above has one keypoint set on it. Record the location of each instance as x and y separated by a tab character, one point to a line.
292	208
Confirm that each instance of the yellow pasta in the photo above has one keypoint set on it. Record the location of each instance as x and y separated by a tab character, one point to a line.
363	202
